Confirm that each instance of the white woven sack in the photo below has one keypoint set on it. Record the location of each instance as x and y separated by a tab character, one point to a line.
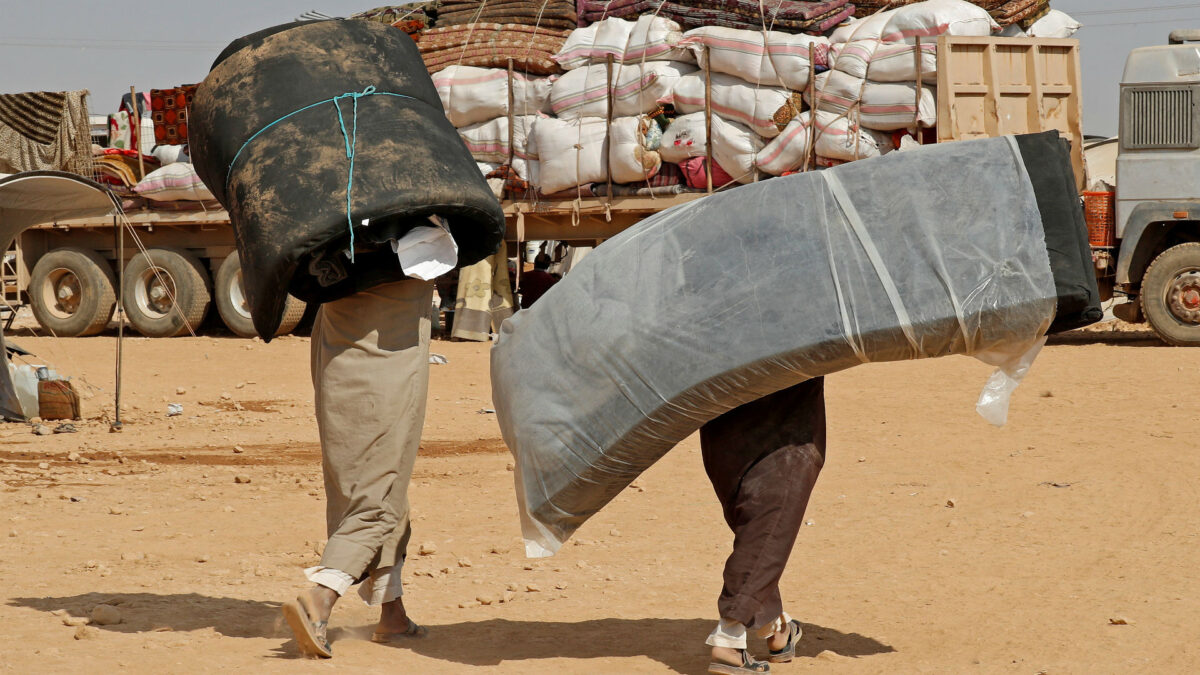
734	99
783	63
471	95
638	89
650	38
1056	24
884	106
574	152
885	61
173	182
834	138
926	20
734	145
488	141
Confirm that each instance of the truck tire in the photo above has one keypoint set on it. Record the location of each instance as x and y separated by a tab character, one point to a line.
73	292
235	310
152	278
1171	295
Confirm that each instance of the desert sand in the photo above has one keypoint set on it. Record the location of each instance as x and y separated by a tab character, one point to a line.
1065	542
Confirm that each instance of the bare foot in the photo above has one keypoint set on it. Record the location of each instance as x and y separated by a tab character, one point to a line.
320	601
779	638
727	655
394	623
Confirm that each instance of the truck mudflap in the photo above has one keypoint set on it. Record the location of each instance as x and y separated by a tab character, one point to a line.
1144	234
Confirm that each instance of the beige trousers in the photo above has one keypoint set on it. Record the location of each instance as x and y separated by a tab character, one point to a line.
370	371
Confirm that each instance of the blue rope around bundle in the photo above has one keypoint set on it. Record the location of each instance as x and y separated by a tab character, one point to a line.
351	140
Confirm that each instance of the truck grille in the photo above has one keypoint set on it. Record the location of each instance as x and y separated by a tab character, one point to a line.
1159	118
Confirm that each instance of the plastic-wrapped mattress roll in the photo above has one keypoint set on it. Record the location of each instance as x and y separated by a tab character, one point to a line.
660	329
276	127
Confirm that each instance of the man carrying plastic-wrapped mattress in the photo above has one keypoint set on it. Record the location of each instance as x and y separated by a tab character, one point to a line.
723	315
347	187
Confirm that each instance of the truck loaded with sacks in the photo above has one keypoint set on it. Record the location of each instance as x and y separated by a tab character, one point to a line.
584	131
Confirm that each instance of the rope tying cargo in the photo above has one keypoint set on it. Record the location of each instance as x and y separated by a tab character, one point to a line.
351	140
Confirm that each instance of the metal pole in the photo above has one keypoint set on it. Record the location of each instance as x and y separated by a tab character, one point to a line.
608	128
708	149
119	235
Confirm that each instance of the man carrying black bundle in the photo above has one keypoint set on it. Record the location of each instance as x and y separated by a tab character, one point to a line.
763	459
347	187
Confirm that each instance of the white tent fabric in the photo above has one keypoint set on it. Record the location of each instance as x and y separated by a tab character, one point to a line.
32	198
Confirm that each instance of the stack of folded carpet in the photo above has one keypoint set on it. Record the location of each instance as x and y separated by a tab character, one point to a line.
1022	12
554	14
790	16
45	130
411	19
491	45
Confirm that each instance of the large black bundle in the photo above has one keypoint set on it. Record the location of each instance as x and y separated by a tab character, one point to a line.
273	126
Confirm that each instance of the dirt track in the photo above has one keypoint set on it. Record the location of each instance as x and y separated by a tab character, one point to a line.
1080	513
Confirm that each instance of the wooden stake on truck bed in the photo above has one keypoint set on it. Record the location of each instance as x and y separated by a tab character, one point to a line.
920	92
607	147
708	163
137	124
511	127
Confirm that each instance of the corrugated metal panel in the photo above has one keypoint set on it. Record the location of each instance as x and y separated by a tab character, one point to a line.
1160	118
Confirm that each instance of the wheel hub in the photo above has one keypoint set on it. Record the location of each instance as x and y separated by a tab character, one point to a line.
154	292
1183	297
64	292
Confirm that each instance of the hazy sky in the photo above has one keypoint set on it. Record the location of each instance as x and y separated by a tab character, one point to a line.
106	46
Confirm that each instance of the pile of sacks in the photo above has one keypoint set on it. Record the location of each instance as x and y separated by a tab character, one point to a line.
1021	13
814	16
781	102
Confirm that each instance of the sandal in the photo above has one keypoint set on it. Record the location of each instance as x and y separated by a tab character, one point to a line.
788	652
311	636
414	631
749	665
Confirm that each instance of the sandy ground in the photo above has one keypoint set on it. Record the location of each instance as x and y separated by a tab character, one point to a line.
1064	543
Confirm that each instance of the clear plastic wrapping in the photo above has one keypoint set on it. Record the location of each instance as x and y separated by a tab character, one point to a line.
718	302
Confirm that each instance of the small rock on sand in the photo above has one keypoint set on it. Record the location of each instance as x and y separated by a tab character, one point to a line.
1119	621
507	596
73	457
180	391
203	558
106	615
464	562
42	430
237	449
951	503
43	466
829	655
115	510
532	588
241	478
428	548
86	633
73	621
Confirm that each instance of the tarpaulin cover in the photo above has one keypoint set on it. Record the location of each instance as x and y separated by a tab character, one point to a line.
287	191
32	198
973	247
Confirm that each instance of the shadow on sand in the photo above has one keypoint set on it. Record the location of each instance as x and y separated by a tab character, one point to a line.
675	643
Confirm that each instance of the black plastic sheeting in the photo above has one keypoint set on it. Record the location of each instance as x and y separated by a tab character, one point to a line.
286	193
972	247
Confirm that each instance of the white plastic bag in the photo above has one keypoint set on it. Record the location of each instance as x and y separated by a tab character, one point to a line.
1011	368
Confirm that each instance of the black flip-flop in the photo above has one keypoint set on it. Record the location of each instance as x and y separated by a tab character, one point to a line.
749	665
788	652
414	631
311	635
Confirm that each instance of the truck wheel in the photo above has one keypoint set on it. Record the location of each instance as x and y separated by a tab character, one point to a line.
235	309
73	292
153	279
1171	295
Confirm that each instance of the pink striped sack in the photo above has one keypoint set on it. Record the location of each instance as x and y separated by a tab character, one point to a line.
173	182
735	100
784	62
650	38
471	95
637	89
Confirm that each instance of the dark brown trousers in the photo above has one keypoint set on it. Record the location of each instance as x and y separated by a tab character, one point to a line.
763	459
